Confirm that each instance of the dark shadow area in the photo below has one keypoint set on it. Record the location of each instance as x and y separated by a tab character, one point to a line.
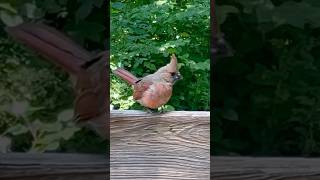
265	89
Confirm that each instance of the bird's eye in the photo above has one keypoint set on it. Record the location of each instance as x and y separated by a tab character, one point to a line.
173	73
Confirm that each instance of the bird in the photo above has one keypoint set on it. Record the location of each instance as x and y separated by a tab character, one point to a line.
153	90
89	72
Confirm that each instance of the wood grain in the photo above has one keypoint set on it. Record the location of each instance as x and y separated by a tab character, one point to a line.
173	145
53	166
49	166
268	168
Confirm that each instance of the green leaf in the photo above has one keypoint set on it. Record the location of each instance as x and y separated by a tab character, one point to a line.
36	125
150	66
32	109
83	11
51	127
69	132
17	129
66	115
168	108
49	138
286	14
8	7
250	5
10	19
31	10
117	5
52	146
19	108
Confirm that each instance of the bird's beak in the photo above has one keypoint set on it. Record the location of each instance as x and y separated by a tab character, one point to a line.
177	76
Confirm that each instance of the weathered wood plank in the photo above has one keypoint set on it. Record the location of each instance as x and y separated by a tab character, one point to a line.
53	166
48	166
173	145
268	168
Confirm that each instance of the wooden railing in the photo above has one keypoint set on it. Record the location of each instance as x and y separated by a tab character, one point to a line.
265	168
173	145
146	146
53	166
48	166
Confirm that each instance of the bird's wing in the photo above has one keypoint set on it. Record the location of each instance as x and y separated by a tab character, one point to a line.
92	91
140	88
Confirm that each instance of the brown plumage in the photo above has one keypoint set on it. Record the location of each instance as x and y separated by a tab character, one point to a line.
89	71
154	90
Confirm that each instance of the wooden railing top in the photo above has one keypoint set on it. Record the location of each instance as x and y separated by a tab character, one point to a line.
137	113
54	166
172	145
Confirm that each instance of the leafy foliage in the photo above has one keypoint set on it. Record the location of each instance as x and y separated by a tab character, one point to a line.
145	33
267	94
35	95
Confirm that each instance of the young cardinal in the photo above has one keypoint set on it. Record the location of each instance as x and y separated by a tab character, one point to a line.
89	71
154	90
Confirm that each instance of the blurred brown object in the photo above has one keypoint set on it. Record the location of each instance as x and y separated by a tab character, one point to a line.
89	72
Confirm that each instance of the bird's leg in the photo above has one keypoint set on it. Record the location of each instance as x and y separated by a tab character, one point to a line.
149	110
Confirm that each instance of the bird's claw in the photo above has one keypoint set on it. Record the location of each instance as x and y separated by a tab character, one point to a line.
162	110
151	111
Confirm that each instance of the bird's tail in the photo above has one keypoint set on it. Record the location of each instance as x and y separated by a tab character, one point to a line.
52	44
126	75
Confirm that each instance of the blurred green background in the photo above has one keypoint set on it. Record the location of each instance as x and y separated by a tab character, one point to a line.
35	95
266	96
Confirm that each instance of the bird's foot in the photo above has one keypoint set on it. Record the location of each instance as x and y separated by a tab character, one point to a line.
151	111
162	109
166	108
